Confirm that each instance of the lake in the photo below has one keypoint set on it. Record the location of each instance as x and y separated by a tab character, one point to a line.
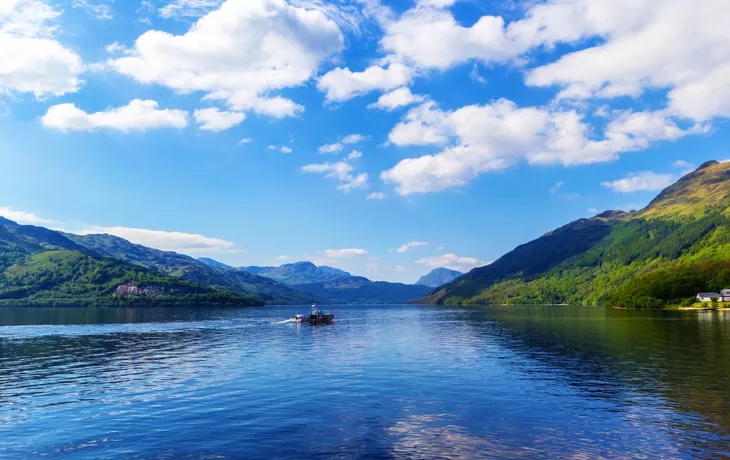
382	382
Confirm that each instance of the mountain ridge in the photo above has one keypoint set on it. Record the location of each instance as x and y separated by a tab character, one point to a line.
298	273
187	268
438	277
41	267
595	260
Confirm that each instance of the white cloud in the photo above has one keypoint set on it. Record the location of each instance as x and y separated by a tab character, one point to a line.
494	136
23	217
166	241
285	149
342	171
683	164
554	189
453	262
188	8
641	181
31	60
354	155
344	253
359	181
593	210
283	258
214	119
137	115
353	139
343	84
115	48
96	9
413	244
682	46
240	53
475	76
245	140
376	196
401	269
331	148
400	97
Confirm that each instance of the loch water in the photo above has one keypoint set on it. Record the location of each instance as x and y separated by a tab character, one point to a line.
382	382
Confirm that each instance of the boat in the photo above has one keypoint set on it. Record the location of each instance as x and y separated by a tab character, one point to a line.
316	317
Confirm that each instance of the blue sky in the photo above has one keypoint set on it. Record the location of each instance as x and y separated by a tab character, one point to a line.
260	132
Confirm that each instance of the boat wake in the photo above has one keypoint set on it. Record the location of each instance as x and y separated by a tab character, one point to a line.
292	320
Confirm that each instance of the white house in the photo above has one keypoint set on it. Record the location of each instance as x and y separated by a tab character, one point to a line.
708	296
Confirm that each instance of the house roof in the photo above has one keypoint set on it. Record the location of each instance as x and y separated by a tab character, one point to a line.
708	294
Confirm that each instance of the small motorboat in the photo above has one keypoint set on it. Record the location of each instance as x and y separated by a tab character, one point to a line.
316	317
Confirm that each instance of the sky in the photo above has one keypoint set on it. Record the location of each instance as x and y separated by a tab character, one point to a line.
383	138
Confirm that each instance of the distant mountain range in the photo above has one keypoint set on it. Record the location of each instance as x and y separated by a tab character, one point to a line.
41	267
438	277
357	289
664	254
298	273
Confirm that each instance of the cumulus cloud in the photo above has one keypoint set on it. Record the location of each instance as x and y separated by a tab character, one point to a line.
353	139
166	241
344	253
354	155
214	119
137	115
342	171
400	97
452	262
413	244
331	148
481	138
343	84
31	59
241	53
641	181
23	217
376	196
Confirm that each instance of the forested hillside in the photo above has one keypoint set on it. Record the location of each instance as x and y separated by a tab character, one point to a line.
42	267
617	258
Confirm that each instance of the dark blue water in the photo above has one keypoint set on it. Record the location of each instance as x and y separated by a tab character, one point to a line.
382	382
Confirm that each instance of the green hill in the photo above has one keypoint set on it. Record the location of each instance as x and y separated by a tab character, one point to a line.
40	267
618	258
190	269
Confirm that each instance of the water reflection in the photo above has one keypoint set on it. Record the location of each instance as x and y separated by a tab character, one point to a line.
383	382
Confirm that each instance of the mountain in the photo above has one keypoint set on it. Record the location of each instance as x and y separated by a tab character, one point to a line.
357	289
215	264
299	273
661	255
190	269
438	277
41	267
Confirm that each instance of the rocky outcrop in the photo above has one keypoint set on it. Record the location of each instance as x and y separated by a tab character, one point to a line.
152	290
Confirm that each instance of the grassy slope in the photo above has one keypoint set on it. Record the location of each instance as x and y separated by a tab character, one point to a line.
591	260
42	267
189	269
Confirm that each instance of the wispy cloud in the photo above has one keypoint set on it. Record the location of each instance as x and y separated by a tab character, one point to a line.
23	217
640	181
164	240
453	262
413	244
344	253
